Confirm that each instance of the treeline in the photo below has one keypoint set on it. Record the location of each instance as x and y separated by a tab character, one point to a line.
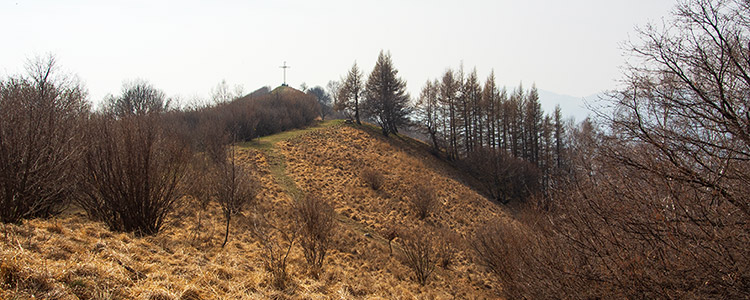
244	118
503	138
127	163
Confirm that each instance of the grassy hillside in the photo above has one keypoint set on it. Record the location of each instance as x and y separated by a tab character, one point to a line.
70	257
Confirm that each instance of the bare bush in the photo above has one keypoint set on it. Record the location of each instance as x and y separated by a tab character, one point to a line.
529	265
372	177
418	254
317	221
40	141
445	244
132	171
276	244
234	185
199	186
423	199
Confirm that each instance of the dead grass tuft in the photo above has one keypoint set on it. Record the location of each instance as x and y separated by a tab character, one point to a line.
372	178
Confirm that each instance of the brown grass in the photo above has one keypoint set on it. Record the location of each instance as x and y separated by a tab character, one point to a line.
70	257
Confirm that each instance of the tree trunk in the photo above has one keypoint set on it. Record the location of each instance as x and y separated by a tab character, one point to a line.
226	233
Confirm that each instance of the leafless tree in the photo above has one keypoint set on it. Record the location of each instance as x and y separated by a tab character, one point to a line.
137	97
427	113
235	187
222	93
657	204
324	100
41	117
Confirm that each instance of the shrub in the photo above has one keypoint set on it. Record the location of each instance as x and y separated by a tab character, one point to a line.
41	116
317	221
418	254
234	187
131	172
276	244
372	177
445	248
423	199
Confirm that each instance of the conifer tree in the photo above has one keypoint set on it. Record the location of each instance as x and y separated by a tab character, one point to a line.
386	100
351	92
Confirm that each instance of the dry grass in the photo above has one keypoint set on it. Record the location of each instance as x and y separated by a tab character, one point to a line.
70	257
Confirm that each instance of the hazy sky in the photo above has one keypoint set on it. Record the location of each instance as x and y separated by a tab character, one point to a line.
187	47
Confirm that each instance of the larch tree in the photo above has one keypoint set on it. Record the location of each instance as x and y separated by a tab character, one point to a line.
427	112
386	100
350	93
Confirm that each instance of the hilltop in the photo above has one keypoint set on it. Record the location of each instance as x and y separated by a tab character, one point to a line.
71	257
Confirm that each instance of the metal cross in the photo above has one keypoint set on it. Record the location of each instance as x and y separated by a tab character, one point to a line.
285	67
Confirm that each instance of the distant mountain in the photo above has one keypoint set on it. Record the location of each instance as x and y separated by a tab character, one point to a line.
571	106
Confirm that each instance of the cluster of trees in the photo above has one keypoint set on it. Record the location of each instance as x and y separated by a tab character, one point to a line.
503	138
261	113
657	202
382	98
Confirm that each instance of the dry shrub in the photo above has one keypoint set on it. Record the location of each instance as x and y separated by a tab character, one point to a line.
276	243
317	221
132	172
199	187
418	253
423	199
446	247
41	116
234	186
372	177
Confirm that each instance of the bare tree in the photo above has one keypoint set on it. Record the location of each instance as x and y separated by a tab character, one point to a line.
324	99
334	89
427	112
657	204
41	117
222	93
317	221
235	187
138	97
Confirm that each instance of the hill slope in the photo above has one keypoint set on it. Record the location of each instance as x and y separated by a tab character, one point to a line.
70	257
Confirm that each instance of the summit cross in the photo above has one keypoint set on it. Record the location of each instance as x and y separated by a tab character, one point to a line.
285	67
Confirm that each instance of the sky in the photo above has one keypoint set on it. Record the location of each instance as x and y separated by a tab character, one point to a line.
186	48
